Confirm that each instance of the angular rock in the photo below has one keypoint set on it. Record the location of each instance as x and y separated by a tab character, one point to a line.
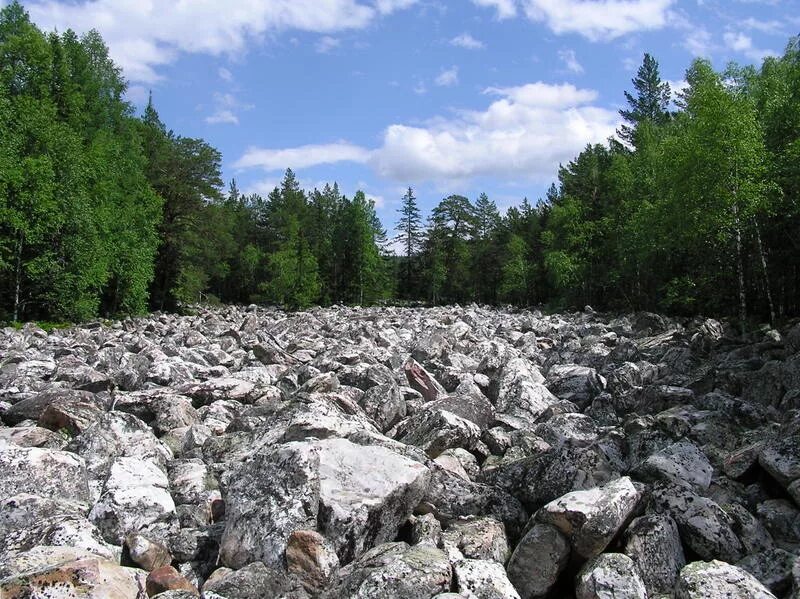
254	581
311	558
592	518
135	497
435	430
271	495
610	576
704	526
449	497
682	463
384	404
366	493
146	553
394	570
86	578
478	538
772	567
167	578
484	579
422	381
654	545
715	579
44	472
538	560
356	496
579	384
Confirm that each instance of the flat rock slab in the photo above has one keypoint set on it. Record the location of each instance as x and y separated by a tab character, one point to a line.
44	472
356	496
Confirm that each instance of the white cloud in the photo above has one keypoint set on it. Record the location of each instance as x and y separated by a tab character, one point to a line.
145	34
222	116
769	27
225	74
326	43
570	61
447	78
301	157
524	134
386	7
743	44
505	8
225	108
599	19
420	89
698	42
465	40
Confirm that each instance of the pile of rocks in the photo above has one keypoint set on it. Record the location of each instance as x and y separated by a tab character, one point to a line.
388	452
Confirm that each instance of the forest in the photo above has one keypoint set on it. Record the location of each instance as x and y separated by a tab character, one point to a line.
694	207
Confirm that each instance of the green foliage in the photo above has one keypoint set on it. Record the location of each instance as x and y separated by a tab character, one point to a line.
77	216
514	278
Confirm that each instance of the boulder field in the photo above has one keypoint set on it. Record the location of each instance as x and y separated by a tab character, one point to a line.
247	453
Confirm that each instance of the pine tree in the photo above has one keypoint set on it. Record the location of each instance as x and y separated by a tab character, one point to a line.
650	103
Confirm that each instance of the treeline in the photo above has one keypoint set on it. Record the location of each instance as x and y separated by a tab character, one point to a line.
694	208
103	212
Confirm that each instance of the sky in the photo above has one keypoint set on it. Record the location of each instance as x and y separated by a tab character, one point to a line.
457	96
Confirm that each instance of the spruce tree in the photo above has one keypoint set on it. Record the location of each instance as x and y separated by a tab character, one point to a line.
650	102
410	237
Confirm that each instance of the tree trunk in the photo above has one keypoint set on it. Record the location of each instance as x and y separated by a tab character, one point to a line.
740	270
764	269
18	276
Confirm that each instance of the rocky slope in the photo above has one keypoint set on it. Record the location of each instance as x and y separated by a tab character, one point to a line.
447	452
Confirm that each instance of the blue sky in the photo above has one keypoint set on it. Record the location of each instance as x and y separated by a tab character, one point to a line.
462	96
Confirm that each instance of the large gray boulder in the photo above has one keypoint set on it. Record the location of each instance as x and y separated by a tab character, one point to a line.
394	570
356	496
44	472
610	576
654	545
538	560
135	497
715	579
592	518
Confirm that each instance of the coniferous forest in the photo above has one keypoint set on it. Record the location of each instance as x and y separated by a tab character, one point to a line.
693	208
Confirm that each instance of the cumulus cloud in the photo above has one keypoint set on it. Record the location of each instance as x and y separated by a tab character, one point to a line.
447	78
599	19
743	44
145	34
505	8
465	40
524	134
570	61
302	156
